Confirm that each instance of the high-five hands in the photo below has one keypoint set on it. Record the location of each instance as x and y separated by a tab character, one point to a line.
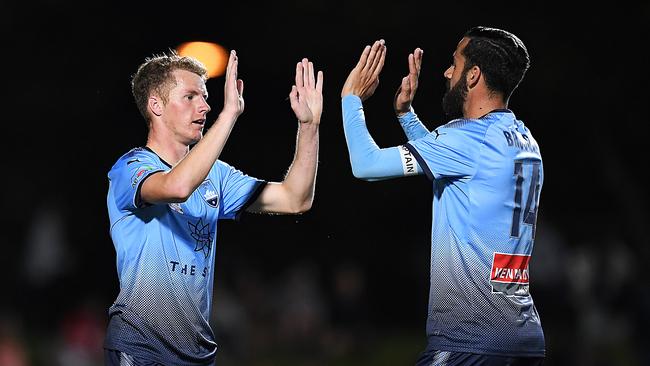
233	87
307	95
406	91
364	78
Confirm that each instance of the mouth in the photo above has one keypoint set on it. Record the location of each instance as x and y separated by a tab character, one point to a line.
200	122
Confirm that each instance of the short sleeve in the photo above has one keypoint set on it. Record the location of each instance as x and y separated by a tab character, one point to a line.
126	178
238	189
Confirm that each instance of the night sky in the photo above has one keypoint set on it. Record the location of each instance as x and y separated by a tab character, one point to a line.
68	114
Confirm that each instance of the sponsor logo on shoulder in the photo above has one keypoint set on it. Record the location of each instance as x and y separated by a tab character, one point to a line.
510	274
139	173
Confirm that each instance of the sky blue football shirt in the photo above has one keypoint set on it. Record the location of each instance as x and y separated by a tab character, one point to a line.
165	260
487	176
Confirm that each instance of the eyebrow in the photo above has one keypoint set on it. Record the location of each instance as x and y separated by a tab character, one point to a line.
196	92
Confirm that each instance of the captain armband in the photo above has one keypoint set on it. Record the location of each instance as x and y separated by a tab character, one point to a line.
409	165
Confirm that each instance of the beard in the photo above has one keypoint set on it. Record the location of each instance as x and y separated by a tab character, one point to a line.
454	98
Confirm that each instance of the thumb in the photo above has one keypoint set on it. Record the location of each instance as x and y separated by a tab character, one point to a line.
406	85
293	95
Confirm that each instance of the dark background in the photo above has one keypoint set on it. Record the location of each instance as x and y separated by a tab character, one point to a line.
347	282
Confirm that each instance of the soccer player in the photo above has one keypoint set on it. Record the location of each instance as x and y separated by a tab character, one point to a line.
164	200
487	174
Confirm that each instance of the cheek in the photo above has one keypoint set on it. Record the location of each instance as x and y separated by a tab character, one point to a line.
177	110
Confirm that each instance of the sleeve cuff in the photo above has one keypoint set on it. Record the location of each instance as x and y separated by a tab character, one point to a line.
407	117
256	193
351	100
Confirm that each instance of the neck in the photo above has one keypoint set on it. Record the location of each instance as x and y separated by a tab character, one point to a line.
481	103
168	149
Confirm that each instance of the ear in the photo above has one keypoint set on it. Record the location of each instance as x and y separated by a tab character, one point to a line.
155	105
473	76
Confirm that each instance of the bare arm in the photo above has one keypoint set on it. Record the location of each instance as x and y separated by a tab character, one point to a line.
177	184
295	193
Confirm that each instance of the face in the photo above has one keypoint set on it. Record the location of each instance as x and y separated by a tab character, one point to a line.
185	112
454	98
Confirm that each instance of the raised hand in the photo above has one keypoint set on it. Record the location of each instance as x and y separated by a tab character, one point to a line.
233	87
364	78
406	91
307	95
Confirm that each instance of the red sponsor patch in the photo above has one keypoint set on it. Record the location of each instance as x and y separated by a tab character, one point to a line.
510	268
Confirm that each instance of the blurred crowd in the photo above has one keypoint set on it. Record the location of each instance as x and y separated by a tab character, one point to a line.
590	295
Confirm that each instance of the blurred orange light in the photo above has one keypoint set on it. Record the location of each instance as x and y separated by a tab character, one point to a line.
213	56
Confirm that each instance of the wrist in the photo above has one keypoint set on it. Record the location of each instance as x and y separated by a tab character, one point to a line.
403	112
305	125
228	115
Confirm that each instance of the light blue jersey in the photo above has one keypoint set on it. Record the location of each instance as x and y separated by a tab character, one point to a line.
165	260
487	176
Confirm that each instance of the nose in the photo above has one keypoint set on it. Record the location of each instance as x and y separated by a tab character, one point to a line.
204	107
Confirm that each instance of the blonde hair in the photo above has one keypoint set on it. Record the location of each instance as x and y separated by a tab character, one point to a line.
155	76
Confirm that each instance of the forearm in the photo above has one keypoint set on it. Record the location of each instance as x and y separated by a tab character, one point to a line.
364	152
369	162
192	170
300	180
412	126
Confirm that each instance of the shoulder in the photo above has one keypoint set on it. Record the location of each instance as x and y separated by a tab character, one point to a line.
222	165
463	129
137	155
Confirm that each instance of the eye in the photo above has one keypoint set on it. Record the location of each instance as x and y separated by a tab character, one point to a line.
189	97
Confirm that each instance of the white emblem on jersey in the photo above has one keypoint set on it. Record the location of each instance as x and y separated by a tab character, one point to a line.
176	207
209	193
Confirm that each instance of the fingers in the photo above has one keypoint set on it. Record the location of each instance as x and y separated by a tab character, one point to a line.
417	58
231	69
319	82
374	57
363	58
299	75
406	85
305	72
230	60
310	74
305	76
232	84
240	87
413	69
381	59
415	61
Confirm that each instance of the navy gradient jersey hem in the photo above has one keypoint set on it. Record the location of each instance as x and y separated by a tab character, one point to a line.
447	358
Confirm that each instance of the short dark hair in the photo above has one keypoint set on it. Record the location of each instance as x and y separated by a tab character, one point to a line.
154	76
501	56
